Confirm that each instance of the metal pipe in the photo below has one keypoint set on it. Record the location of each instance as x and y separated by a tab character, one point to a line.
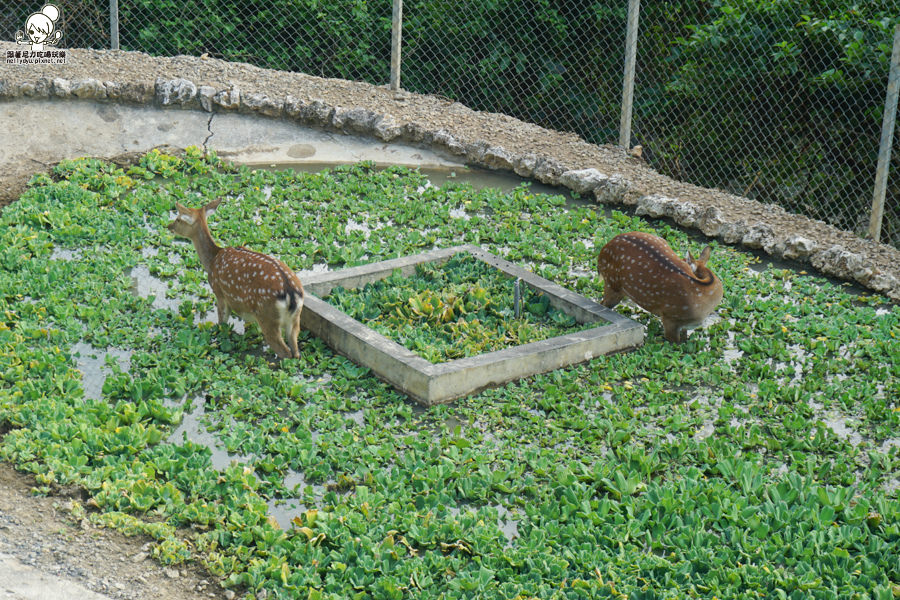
114	24
634	7
887	138
517	297
396	30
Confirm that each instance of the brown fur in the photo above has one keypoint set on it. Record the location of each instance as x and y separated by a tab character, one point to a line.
644	268
255	286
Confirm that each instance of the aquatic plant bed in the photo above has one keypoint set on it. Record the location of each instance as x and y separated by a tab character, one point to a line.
760	459
431	383
454	308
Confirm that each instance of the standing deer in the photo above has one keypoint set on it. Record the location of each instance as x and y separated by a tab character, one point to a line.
254	286
644	268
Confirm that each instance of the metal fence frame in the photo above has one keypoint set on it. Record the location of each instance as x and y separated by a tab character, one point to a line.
887	140
630	54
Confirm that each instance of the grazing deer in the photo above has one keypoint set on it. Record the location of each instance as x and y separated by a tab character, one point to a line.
254	286
644	268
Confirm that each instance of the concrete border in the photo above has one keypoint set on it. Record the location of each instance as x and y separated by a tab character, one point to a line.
106	129
431	384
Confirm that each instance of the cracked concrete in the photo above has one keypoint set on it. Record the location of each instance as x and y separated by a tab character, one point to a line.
211	133
47	131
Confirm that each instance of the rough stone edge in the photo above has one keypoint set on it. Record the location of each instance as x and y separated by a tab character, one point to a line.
606	189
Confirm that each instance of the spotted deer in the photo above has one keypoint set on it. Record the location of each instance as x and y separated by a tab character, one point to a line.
254	286
644	268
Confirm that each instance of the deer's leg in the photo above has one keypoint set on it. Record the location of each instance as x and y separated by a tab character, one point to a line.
611	295
675	331
293	333
272	334
222	309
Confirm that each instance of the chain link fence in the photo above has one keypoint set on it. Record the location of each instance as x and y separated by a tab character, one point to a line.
558	66
348	40
780	101
335	38
777	101
84	23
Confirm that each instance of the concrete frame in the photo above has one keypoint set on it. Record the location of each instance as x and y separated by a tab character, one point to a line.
431	384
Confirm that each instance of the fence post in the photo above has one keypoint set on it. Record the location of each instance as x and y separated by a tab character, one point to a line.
396	29
887	138
634	7
114	24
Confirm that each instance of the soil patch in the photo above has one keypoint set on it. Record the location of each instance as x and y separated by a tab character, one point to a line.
39	532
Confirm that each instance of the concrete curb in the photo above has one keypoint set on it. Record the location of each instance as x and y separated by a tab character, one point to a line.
431	384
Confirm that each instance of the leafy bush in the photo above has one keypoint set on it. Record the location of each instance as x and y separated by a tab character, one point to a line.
350	40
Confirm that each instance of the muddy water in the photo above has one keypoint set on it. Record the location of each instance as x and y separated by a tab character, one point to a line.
357	416
144	285
65	254
193	429
507	521
92	362
285	510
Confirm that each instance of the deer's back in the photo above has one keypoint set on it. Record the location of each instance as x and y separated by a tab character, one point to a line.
253	282
645	268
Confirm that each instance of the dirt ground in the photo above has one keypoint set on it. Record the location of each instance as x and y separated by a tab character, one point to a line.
38	531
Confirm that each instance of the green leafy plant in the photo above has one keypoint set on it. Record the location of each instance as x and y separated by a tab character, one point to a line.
461	308
758	459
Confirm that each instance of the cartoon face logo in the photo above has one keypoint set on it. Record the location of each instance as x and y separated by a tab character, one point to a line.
40	29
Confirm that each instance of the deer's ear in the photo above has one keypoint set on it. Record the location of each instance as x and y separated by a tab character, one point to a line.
704	255
182	209
691	261
212	206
